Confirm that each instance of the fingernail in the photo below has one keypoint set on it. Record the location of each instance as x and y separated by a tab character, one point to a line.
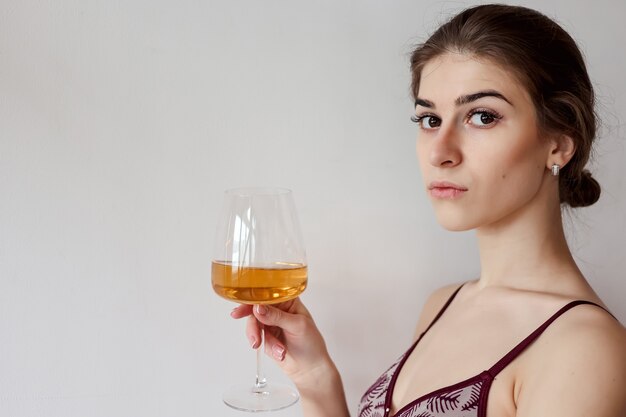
234	310
261	309
253	342
278	352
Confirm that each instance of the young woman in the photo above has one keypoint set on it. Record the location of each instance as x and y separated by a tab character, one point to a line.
505	111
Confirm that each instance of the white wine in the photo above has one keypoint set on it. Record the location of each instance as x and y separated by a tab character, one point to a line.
258	285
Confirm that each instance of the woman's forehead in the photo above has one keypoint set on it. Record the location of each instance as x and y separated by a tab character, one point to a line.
455	74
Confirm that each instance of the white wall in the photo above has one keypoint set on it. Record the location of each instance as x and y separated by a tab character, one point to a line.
122	122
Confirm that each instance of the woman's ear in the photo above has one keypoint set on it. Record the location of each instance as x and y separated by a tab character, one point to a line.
562	149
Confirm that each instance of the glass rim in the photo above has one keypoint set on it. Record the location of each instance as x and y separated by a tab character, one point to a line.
250	191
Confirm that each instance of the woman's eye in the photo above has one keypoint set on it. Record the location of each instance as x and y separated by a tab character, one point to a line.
483	118
427	121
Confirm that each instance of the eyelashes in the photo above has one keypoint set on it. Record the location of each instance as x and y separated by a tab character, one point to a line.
427	121
480	118
487	117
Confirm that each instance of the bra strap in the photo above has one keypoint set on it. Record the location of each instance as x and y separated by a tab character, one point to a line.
509	357
445	306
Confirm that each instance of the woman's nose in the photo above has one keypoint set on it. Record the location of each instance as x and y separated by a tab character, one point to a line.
445	150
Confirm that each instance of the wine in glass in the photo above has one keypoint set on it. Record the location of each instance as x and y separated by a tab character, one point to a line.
259	259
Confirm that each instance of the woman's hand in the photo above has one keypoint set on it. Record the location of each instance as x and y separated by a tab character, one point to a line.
291	338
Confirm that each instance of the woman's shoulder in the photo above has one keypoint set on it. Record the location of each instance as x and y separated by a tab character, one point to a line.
583	354
434	303
589	330
577	318
586	327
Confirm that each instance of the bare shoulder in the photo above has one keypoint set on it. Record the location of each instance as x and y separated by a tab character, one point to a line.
581	357
586	328
433	305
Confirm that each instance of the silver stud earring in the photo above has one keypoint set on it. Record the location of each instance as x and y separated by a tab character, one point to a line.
555	170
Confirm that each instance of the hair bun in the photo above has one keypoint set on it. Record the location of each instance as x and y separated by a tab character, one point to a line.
582	191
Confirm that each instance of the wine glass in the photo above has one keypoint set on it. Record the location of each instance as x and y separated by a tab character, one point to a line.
259	259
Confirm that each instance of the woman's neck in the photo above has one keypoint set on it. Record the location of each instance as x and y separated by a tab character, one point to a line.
527	250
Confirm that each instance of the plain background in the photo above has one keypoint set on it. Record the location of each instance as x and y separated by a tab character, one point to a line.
121	123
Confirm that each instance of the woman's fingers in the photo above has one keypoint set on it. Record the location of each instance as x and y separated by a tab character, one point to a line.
274	347
253	332
281	321
272	316
242	310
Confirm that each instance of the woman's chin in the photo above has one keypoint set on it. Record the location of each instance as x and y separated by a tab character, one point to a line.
454	223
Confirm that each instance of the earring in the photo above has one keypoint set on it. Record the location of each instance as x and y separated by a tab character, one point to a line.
555	170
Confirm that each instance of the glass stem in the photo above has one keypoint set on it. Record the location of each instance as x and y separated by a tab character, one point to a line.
261	381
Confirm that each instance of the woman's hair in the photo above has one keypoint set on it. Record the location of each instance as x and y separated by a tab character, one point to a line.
546	60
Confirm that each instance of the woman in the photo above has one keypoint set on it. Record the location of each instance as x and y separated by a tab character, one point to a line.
505	111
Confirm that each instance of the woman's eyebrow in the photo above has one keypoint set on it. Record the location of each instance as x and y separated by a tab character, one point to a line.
424	103
468	98
475	96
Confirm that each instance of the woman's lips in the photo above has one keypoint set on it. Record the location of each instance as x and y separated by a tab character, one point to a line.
446	189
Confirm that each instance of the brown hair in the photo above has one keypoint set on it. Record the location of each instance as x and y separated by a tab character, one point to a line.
546	59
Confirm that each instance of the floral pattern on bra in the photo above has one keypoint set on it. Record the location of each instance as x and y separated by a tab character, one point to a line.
458	401
373	401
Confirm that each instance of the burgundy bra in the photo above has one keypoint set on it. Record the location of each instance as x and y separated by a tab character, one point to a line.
467	398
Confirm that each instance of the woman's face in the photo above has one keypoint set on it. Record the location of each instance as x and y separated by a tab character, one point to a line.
480	152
